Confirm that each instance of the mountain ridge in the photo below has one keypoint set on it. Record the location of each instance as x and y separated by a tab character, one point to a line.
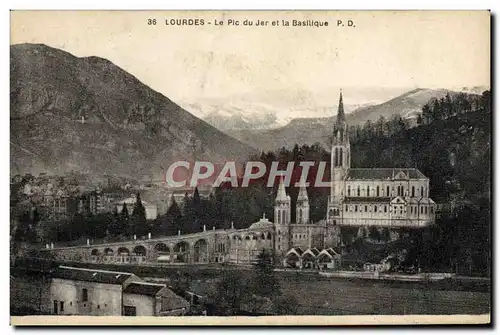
86	113
312	130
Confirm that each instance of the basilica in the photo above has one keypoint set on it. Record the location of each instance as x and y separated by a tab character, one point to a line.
391	198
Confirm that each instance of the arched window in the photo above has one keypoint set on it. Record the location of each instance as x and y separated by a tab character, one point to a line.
413	191
349	190
300	215
422	191
378	191
388	191
336	156
341	157
355	208
346	208
279	217
375	208
367	191
385	209
283	217
366	208
359	191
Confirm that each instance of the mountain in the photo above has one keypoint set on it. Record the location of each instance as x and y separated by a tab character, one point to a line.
241	115
312	130
88	115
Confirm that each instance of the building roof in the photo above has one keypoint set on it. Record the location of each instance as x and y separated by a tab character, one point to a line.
385	173
298	251
262	223
92	275
171	301
144	288
326	253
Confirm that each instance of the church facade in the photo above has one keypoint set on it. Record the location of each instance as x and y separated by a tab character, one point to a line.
381	197
391	198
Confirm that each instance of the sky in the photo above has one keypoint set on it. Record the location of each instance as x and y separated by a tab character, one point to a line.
384	52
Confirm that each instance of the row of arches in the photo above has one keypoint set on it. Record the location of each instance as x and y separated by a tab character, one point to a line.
253	236
181	251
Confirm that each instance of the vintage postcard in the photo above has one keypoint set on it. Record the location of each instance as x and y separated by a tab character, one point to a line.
250	167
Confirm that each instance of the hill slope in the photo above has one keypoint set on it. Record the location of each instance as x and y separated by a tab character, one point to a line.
88	115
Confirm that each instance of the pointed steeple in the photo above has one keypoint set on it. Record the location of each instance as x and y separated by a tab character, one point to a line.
281	195
302	194
340	111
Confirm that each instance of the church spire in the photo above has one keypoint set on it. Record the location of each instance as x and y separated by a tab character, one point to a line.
340	112
281	195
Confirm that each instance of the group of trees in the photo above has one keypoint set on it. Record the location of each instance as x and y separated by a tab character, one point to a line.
449	106
124	224
244	292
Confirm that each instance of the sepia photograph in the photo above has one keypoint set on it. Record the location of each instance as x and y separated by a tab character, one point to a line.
250	167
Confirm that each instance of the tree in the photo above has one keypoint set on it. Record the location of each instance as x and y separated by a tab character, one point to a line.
171	221
266	285
230	293
427	114
374	233
124	213
386	234
138	218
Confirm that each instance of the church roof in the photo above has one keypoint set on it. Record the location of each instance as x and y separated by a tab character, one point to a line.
385	173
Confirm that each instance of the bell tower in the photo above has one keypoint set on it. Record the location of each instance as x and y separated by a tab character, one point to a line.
302	207
340	162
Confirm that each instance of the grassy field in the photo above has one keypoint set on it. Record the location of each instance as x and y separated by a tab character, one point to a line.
343	297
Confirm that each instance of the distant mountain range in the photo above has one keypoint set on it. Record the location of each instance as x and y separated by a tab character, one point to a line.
88	115
312	130
241	115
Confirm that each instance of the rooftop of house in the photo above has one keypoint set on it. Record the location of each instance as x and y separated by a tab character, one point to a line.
171	301
92	275
144	288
